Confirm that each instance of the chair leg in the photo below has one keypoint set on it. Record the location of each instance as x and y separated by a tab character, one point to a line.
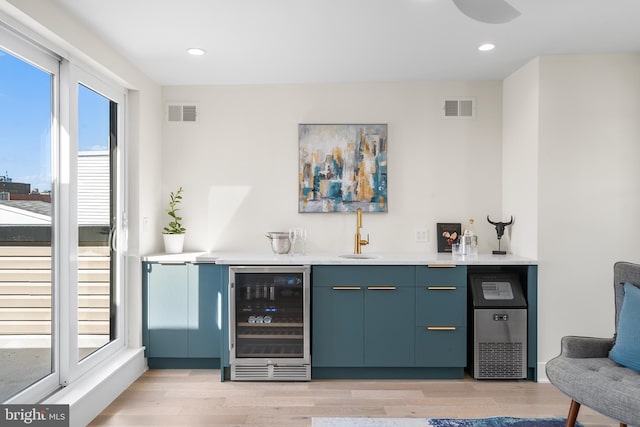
573	413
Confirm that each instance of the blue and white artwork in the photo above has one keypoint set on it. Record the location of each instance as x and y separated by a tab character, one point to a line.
342	167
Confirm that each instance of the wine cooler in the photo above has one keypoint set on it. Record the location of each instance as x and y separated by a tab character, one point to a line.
269	323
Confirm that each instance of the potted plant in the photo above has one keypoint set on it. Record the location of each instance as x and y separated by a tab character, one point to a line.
173	233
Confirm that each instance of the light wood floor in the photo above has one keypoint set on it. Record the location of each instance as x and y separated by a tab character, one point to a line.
197	397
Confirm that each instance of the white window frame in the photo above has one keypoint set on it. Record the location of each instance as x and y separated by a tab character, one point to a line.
66	75
73	368
40	58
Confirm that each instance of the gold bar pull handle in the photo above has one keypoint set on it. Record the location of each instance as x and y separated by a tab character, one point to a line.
442	288
346	288
381	288
441	328
441	265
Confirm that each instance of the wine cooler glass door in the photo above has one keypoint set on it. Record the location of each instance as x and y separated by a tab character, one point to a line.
269	315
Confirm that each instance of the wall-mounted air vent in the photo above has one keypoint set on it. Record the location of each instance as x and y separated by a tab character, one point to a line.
456	108
182	113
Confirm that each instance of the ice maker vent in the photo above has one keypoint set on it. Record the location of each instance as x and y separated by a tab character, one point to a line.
500	360
182	113
459	108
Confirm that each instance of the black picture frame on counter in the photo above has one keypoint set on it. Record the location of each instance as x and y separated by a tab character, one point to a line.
447	234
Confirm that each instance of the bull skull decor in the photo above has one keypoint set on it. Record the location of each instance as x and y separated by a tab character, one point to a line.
500	231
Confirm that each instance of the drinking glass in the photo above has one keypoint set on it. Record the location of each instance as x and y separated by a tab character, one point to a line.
303	238
293	236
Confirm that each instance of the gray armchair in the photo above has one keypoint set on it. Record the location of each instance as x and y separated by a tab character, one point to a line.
584	372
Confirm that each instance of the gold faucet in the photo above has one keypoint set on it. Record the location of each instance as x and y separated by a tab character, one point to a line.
359	241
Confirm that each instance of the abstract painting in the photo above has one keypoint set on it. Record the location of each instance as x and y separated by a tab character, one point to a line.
342	167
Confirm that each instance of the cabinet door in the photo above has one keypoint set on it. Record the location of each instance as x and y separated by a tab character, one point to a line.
441	296
205	304
441	275
363	275
389	326
441	316
441	305
441	346
167	311
338	326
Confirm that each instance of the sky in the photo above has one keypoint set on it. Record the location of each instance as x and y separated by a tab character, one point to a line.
25	122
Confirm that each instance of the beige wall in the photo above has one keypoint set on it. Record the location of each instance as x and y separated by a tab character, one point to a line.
520	158
588	181
239	165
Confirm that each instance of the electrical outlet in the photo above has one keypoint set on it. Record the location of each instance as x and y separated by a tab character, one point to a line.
421	235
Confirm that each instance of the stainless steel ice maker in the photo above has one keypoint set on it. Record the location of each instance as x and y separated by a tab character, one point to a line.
499	326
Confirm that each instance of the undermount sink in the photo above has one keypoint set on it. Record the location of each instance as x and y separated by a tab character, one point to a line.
359	256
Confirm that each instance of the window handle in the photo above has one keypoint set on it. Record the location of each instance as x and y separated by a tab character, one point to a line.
112	238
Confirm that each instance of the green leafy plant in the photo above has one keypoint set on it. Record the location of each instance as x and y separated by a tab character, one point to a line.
175	226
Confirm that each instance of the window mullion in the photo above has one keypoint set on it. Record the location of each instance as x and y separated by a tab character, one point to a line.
67	223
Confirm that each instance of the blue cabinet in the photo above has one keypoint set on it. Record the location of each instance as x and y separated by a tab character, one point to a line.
368	321
441	295
204	322
337	337
389	321
441	316
182	317
362	316
441	346
167	310
388	326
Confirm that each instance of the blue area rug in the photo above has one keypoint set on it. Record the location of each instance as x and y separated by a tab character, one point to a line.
439	422
499	422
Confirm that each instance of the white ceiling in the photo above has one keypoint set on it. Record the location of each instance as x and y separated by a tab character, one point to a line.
339	41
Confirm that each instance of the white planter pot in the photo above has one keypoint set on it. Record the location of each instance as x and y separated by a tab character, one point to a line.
173	243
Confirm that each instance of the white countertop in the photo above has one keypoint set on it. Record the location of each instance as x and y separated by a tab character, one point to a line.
264	258
174	258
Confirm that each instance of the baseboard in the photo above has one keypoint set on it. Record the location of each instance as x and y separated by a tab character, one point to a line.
387	373
182	363
91	394
542	375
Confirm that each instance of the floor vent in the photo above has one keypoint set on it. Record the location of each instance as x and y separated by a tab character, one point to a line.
270	372
182	113
459	108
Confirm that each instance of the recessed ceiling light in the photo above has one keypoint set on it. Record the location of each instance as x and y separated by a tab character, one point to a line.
195	51
486	47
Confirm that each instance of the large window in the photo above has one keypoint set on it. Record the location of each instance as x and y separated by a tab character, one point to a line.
26	281
61	204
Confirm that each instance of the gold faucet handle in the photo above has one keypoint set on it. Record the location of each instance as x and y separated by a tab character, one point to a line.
365	242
